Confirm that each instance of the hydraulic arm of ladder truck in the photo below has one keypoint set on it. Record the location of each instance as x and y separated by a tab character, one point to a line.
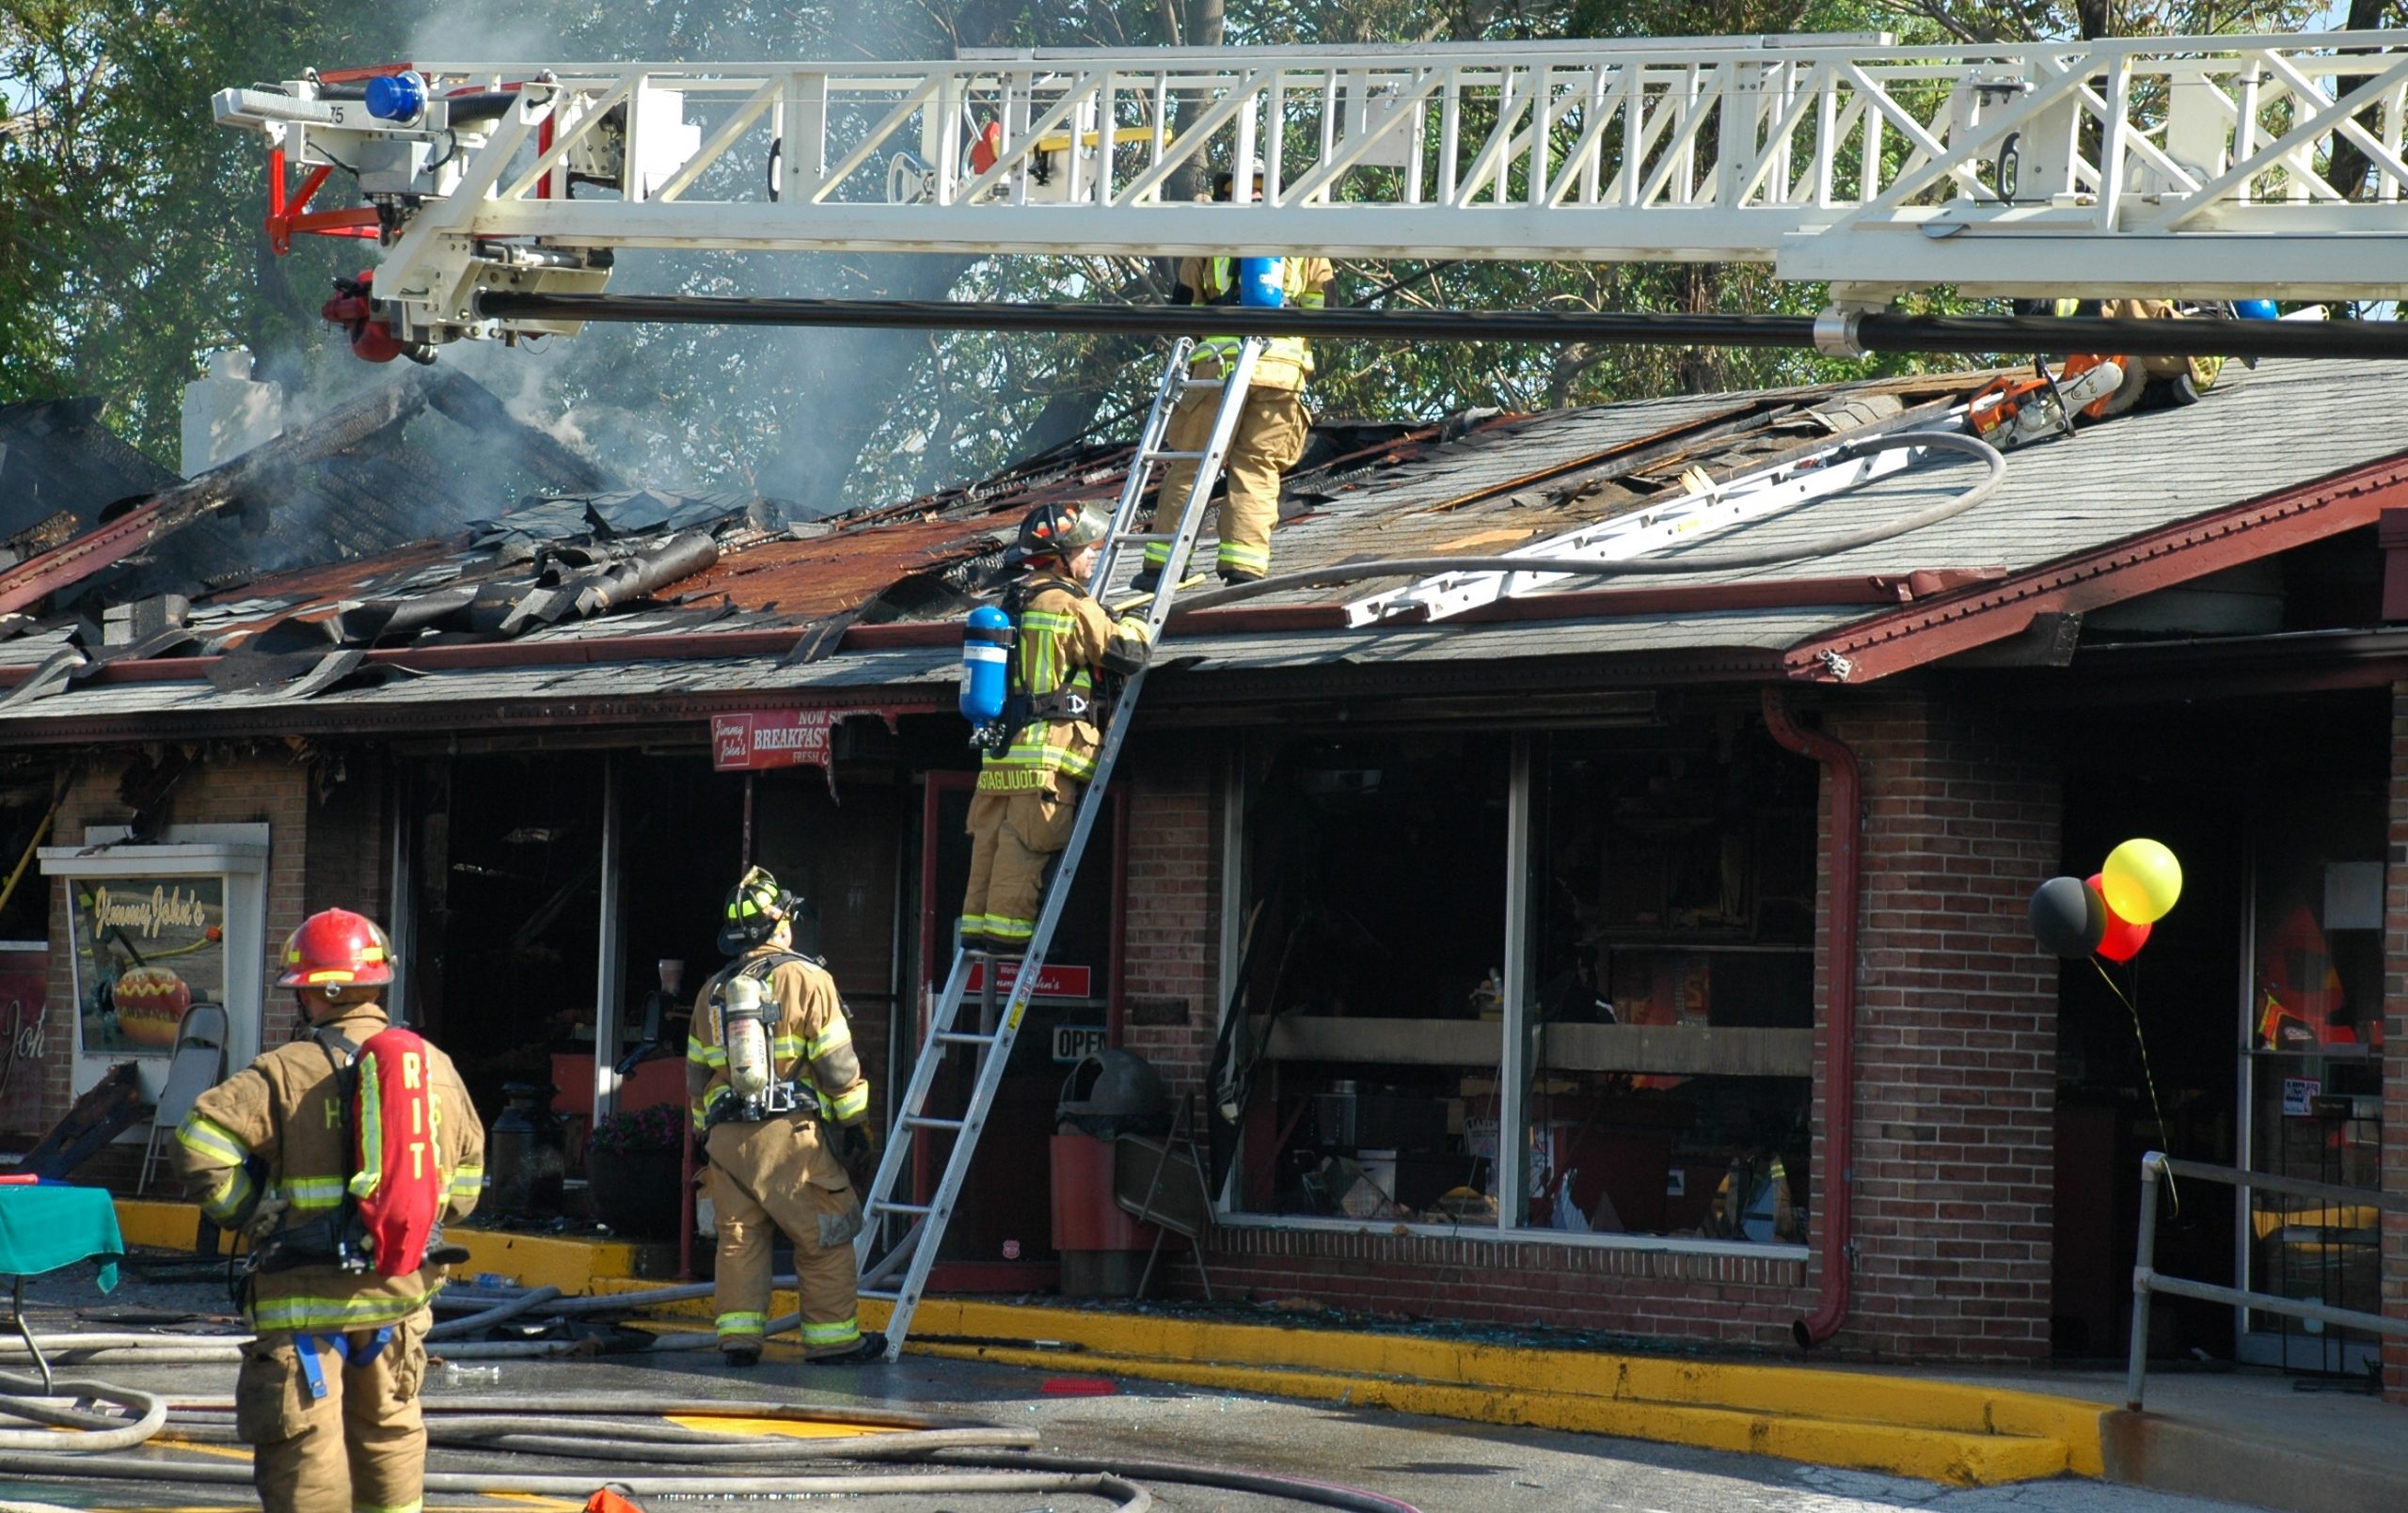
2197	167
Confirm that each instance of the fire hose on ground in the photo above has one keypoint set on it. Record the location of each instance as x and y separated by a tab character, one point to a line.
612	1432
948	1459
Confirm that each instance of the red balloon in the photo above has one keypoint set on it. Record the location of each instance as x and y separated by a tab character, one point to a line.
2124	938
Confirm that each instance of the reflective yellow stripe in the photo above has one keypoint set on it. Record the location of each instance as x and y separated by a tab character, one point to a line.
839	1035
334	1313
412	1506
372	1130
468	1179
844	1331
707	1055
851	1106
313	1192
742	1323
229	1197
210	1139
1256	558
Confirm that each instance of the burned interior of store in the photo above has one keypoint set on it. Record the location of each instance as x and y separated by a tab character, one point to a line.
1621	918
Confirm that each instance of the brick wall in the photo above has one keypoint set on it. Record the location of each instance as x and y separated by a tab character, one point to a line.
1956	1050
2395	1038
1173	908
1956	1035
270	786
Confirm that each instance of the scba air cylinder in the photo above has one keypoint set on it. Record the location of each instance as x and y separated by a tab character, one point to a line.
985	653
745	1037
1261	283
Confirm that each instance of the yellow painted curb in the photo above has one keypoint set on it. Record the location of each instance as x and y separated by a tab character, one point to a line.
1956	1434
574	1266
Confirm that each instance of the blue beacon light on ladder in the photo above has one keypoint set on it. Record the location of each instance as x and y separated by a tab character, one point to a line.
396	97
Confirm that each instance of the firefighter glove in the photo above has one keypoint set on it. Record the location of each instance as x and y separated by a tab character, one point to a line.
265	1216
856	1145
1137	628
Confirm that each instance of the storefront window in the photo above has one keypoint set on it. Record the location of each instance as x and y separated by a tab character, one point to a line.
2313	1068
1373	944
1669	1037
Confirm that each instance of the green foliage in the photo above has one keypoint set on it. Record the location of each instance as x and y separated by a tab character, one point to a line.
130	244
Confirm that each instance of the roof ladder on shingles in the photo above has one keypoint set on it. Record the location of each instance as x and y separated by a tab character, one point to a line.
899	1239
1704	511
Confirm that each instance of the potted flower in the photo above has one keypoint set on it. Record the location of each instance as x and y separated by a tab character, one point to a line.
633	1161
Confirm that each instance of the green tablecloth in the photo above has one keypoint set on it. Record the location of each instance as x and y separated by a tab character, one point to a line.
43	1228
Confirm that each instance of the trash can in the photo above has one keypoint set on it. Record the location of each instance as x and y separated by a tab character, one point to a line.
1101	1249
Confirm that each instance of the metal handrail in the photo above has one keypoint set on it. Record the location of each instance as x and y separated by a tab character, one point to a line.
2146	1279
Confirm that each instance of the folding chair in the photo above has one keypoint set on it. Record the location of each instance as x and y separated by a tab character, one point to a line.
199	1062
1161	1182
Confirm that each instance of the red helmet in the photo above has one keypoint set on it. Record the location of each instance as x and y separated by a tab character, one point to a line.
336	948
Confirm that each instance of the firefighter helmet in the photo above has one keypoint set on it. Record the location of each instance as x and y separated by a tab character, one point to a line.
1061	530
757	906
336	948
1224	181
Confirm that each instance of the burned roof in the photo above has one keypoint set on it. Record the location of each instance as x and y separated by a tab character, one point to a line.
581	599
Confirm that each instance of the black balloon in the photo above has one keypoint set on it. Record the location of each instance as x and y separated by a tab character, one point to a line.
2068	919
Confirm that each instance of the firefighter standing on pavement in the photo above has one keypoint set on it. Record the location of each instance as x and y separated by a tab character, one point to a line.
328	1396
1028	792
781	1108
1271	429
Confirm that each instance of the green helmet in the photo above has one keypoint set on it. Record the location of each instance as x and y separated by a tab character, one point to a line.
757	906
1061	530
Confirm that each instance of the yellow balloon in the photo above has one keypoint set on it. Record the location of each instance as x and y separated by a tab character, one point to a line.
2141	880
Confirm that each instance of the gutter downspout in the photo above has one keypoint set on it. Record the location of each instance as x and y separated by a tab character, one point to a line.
1846	870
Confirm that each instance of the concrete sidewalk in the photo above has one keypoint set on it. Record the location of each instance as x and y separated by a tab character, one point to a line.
2245	1436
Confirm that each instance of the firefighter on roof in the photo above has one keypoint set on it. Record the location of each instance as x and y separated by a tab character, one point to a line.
292	1151
1271	429
1028	789
781	1108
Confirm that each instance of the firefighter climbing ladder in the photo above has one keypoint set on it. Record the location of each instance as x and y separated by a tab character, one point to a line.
2221	167
913	1252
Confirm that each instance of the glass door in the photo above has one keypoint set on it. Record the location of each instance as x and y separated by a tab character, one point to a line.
2312	1071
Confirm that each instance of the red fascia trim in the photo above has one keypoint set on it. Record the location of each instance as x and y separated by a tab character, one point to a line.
64	566
1844	867
2175	553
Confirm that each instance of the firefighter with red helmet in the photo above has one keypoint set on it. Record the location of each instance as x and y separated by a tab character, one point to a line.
1029	787
782	1109
327	1394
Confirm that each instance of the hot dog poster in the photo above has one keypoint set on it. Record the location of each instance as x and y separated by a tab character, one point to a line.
146	950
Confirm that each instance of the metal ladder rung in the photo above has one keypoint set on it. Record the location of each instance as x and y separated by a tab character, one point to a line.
914	1253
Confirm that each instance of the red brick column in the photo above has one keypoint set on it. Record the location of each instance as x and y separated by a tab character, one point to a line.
1174	905
2395	1039
1956	1035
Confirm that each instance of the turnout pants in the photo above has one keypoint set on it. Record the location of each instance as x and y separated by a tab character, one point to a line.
774	1175
1269	436
1013	838
359	1448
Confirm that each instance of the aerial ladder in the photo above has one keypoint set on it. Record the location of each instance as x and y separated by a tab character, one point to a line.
2206	167
2202	166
